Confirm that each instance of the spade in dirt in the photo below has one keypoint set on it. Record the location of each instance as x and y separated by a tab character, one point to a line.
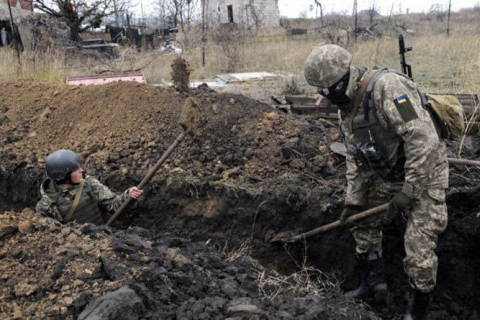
339	148
189	121
291	237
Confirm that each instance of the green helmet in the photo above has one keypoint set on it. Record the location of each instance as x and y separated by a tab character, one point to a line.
327	65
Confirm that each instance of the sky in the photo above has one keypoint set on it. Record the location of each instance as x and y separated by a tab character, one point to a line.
297	8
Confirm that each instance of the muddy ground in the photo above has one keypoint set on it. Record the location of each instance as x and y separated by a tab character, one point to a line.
196	246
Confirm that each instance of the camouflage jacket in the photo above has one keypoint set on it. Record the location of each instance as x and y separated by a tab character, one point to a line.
51	192
426	165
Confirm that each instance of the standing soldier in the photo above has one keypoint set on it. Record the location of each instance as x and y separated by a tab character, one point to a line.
395	153
69	195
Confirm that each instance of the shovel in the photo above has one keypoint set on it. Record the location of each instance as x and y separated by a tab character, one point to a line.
189	119
290	237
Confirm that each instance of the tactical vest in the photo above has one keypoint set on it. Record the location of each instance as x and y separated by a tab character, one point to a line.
376	148
87	209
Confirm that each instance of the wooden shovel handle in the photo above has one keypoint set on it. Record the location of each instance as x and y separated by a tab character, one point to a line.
464	161
149	175
336	224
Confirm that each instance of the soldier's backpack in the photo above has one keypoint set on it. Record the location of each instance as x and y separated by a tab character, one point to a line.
449	113
446	109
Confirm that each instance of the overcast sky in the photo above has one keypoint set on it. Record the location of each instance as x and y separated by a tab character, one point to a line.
297	8
294	8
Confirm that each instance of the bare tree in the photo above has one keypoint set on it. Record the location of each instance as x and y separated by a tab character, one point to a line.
372	12
78	14
436	9
120	7
178	13
255	14
303	14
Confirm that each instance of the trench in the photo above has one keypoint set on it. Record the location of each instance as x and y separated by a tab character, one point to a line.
231	218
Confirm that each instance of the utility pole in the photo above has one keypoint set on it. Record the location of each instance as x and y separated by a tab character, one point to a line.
204	39
16	36
318	6
355	15
448	17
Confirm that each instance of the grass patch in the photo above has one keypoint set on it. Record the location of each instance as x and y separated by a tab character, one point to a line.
440	63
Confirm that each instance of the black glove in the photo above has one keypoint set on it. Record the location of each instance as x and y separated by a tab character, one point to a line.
400	202
348	211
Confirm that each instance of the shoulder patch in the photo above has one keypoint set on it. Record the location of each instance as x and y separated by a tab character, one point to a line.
405	108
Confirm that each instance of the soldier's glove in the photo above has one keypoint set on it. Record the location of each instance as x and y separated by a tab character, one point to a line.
348	211
400	202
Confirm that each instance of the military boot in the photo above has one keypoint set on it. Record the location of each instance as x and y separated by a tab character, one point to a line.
417	304
371	275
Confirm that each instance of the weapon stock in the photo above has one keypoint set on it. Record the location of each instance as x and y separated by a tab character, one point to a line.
406	67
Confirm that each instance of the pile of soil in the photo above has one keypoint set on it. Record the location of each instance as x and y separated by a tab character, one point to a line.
55	271
127	126
248	173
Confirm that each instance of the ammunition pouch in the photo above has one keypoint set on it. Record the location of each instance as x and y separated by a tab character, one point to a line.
376	148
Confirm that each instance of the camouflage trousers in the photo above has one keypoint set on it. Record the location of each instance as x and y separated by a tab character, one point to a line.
425	221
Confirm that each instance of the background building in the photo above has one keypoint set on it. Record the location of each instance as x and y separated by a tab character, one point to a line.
252	13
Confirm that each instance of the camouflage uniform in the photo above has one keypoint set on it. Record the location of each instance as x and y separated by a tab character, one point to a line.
57	200
424	177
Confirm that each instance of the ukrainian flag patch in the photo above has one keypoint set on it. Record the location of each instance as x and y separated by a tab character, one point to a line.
405	108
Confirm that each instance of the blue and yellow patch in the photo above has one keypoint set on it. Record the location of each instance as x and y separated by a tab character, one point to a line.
402	99
405	108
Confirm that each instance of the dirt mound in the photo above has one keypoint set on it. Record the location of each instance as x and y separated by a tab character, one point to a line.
126	126
55	271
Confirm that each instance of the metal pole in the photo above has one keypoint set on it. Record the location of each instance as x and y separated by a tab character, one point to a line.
448	19
355	13
14	33
203	33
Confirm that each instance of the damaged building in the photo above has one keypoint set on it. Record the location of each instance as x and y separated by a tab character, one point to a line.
252	13
36	31
21	11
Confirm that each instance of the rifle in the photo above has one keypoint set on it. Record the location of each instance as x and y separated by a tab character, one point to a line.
406	67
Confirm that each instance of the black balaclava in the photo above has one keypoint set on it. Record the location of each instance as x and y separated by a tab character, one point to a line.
337	93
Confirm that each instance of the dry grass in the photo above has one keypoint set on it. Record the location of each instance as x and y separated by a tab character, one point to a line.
271	284
242	252
440	63
306	280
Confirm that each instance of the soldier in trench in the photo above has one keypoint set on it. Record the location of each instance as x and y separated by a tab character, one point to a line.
68	194
395	155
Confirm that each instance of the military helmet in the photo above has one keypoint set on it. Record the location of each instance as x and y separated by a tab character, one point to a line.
327	65
62	162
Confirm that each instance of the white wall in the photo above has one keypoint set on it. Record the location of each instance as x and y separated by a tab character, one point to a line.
245	12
